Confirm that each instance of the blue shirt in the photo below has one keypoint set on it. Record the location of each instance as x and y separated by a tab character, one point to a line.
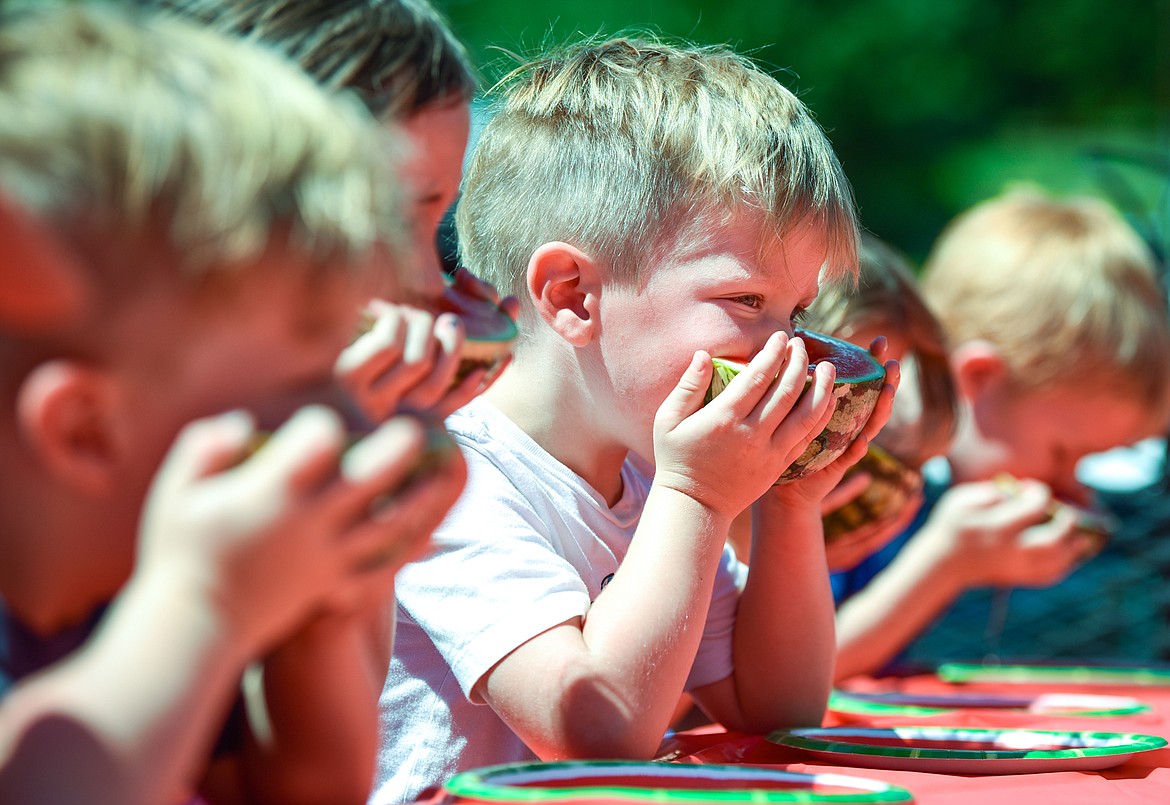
23	651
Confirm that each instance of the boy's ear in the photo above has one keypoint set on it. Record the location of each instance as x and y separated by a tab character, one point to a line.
564	285
977	366
63	411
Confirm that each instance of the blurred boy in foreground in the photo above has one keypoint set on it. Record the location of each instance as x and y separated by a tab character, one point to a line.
651	205
1060	347
197	183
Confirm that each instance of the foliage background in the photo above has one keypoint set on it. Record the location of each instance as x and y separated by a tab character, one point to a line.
932	105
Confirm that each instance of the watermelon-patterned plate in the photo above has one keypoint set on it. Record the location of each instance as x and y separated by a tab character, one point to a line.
968	751
1054	674
617	781
897	703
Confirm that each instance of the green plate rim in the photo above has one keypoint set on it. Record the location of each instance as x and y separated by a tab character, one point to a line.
1070	674
846	702
475	784
1127	743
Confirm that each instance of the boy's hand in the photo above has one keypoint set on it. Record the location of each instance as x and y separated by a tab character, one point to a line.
271	540
728	453
406	360
984	535
812	489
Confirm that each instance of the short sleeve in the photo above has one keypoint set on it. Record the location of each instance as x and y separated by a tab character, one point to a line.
492	582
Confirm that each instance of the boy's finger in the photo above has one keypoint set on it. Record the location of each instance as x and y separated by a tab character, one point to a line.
399	530
446	344
384	339
687	396
201	448
846	490
812	413
885	404
300	455
768	385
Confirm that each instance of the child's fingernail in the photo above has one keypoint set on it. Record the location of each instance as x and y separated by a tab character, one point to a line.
374	453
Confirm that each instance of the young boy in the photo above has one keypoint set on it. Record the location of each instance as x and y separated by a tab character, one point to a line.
1060	347
651	206
196	182
402	60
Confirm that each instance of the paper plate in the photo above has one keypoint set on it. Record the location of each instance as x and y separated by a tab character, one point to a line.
1054	674
968	751
1045	704
616	781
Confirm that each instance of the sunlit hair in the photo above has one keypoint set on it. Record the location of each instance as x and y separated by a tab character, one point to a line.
887	300
136	124
1065	288
397	55
625	147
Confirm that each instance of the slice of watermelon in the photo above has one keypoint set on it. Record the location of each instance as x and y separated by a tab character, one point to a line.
858	384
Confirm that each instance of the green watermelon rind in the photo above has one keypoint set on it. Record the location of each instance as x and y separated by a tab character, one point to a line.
856	395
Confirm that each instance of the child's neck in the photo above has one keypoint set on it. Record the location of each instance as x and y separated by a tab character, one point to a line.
549	407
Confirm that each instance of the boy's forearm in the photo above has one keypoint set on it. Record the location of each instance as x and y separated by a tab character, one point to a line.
131	717
784	638
894	608
609	690
313	718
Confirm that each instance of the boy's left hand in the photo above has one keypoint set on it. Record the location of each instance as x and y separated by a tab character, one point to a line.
813	488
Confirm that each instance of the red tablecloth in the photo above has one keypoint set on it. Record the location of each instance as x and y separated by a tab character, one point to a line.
1145	778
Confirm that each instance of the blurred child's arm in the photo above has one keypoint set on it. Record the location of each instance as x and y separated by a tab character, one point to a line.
229	562
130	717
608	686
978	535
312	717
784	629
313	706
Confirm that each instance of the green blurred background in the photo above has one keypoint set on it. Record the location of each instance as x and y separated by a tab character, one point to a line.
931	104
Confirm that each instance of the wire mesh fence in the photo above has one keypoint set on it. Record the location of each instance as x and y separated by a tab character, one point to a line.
1115	607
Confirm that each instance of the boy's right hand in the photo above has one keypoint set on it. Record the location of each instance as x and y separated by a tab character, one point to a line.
274	538
729	452
408	358
985	535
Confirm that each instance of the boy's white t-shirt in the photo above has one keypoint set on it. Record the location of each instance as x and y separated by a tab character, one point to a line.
528	546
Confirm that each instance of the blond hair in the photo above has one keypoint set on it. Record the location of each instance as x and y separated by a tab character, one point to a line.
886	299
1065	289
128	123
398	56
621	146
